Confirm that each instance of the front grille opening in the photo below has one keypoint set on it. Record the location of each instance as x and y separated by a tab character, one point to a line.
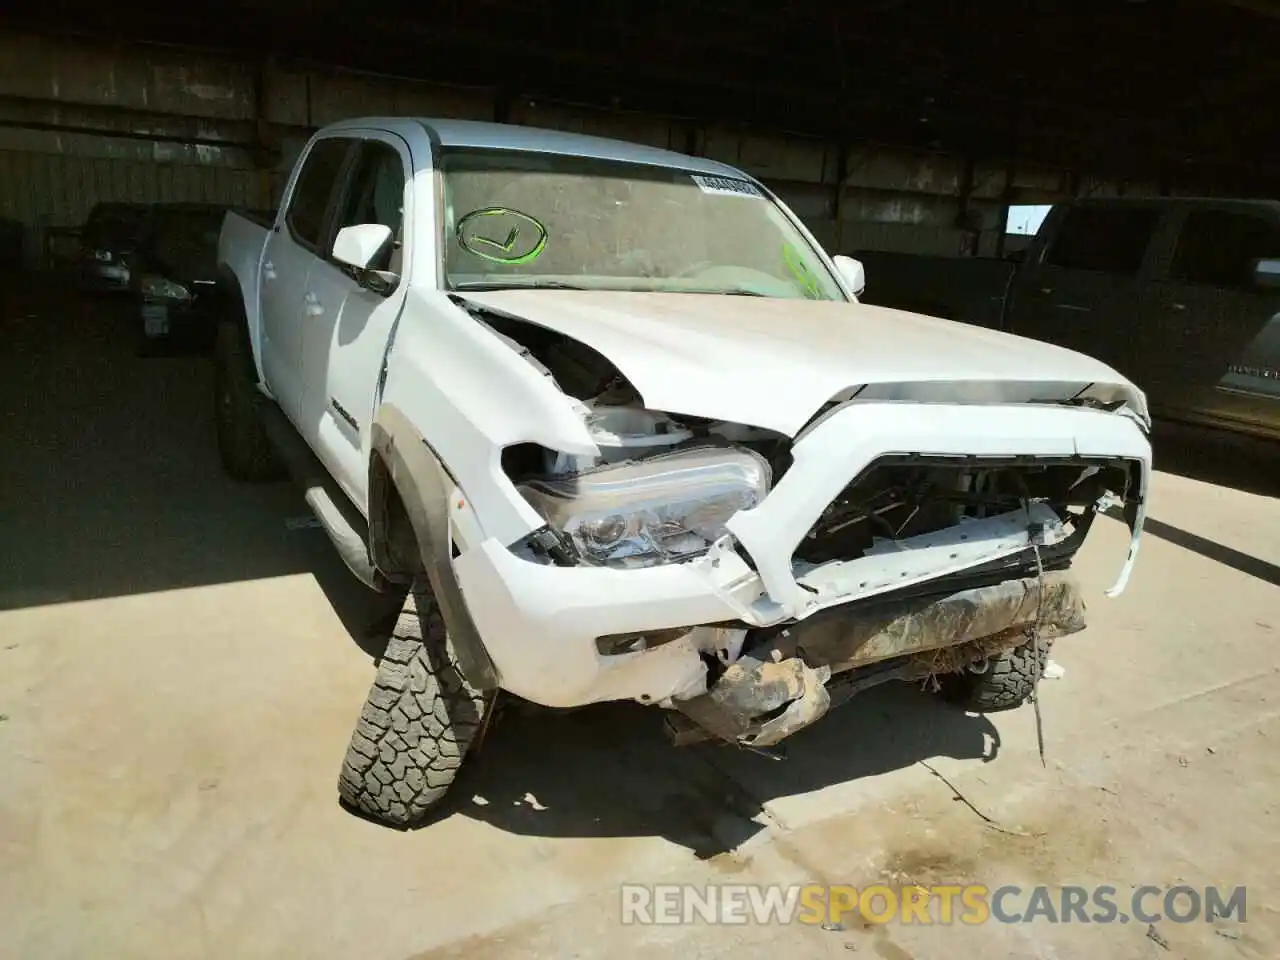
900	497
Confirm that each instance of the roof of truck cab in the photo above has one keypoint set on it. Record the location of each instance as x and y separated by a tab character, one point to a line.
508	136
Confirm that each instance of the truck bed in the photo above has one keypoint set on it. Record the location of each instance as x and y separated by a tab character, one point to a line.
240	245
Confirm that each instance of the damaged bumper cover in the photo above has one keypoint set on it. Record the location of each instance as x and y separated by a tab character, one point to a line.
541	622
785	683
845	443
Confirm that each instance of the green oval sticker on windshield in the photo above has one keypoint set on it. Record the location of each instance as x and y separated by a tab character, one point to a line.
501	235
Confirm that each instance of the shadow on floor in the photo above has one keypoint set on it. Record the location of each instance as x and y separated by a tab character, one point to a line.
111	480
609	770
1212	550
1218	457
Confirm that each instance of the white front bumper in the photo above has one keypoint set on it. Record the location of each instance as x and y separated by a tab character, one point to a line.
540	623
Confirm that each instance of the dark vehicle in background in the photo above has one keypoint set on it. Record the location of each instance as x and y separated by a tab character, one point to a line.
108	244
177	273
1182	296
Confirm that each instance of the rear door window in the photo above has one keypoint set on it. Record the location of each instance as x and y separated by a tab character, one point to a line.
311	196
1104	240
1218	248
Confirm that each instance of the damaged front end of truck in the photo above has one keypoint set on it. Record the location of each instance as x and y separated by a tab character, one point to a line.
985	547
910	533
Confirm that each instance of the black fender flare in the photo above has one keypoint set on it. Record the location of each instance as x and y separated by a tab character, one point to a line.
422	483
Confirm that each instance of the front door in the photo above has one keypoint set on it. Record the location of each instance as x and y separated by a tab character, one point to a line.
351	315
286	263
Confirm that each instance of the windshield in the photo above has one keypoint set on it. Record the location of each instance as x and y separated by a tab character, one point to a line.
529	220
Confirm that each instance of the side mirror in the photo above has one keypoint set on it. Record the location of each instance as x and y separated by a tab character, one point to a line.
1266	274
362	244
853	273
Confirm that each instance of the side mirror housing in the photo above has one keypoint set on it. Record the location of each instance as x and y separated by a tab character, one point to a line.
361	244
853	273
1266	274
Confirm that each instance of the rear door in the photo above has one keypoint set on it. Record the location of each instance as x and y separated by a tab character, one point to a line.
349	316
1209	341
290	250
1082	291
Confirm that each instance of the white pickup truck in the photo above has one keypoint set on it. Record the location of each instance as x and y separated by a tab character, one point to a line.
617	428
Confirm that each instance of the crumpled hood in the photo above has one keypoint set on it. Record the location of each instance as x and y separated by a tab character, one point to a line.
775	363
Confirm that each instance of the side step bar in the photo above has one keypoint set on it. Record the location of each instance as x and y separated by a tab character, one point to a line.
341	521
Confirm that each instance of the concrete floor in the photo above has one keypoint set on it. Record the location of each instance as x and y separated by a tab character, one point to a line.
180	668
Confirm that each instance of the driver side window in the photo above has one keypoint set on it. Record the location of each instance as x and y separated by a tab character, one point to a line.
376	195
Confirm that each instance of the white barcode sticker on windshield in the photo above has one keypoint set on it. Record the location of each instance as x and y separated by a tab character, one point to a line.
727	186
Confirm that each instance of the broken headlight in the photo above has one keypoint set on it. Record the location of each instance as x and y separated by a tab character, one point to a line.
658	510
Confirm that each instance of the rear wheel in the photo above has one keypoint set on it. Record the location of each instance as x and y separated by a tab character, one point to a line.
1006	682
417	725
243	444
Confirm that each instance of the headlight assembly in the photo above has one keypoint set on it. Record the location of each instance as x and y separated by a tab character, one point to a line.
662	509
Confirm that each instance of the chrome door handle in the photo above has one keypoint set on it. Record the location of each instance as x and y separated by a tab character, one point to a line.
1179	307
312	305
1046	290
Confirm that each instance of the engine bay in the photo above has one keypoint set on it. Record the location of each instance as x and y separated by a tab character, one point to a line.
902	497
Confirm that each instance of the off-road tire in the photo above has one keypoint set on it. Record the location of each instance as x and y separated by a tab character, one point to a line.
246	451
1008	683
417	724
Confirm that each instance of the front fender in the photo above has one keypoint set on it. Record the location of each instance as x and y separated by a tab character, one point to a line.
470	395
423	486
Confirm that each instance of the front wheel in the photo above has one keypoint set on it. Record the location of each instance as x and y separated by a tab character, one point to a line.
418	723
1006	683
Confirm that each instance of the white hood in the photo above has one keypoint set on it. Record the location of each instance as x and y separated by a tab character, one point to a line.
774	363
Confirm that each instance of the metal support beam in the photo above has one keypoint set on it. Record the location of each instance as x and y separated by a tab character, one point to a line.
1012	145
842	175
963	218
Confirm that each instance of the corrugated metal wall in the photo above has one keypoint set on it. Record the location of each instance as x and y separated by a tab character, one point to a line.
57	189
82	123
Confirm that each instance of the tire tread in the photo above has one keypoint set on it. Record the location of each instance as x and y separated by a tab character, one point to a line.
1008	683
417	724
